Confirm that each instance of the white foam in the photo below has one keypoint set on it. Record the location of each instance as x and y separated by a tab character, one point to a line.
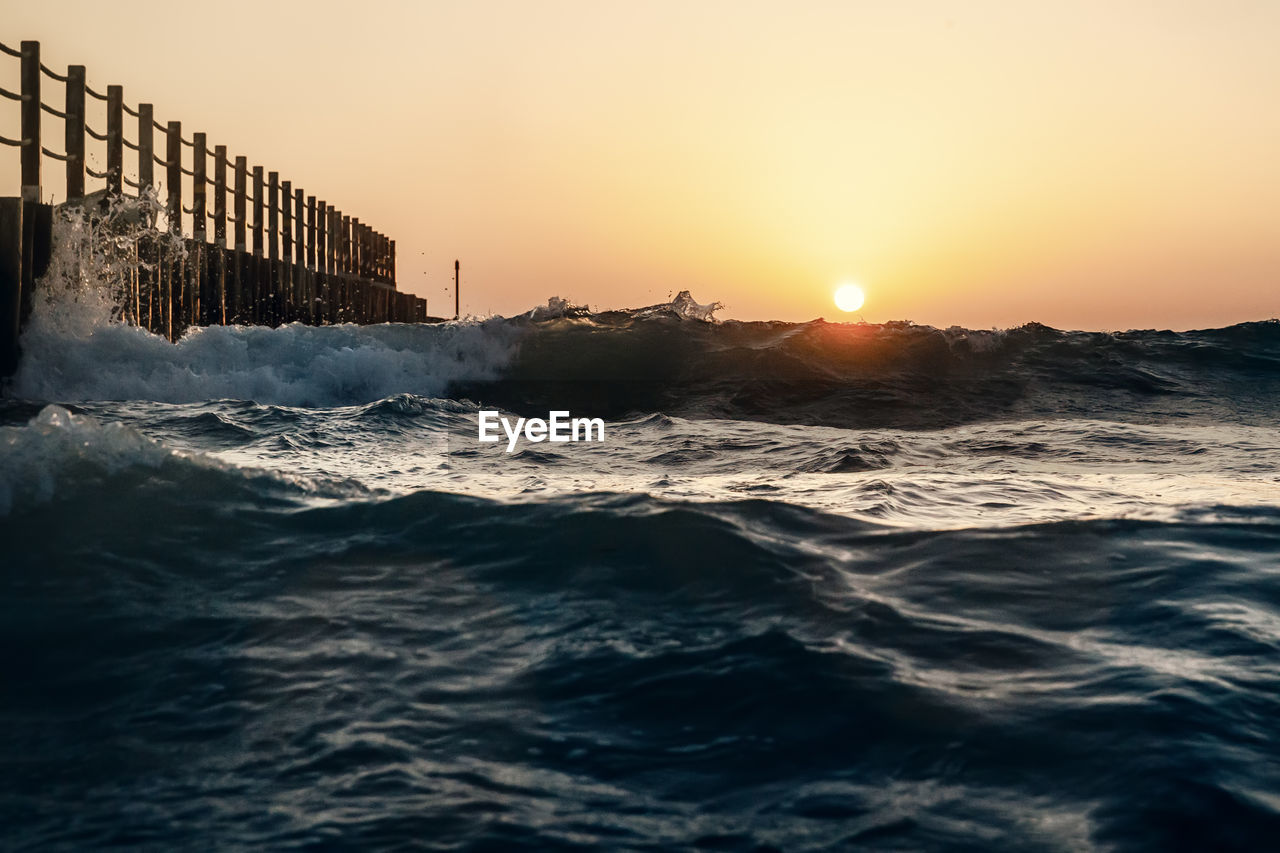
35	457
75	346
293	365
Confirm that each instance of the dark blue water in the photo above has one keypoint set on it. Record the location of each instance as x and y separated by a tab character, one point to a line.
822	587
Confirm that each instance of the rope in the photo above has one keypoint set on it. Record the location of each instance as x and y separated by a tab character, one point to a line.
94	174
54	74
186	171
94	133
6	49
62	157
186	143
160	162
16	143
89	89
160	127
134	184
130	110
51	111
129	144
13	96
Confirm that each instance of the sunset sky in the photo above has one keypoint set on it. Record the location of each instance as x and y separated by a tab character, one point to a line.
1084	164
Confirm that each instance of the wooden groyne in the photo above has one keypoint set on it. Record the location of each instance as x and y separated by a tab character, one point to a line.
298	259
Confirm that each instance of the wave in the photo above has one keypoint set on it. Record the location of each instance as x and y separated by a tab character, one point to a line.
882	375
673	358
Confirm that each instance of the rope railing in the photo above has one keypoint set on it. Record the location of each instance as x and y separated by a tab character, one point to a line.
99	136
13	96
54	155
61	78
4	48
91	93
51	111
16	143
94	173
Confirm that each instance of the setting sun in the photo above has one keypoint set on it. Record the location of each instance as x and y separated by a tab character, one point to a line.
849	297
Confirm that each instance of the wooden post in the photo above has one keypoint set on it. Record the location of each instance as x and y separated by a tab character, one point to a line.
30	122
242	177
257	302
174	177
148	272
146	149
220	231
299	247
175	300
236	298
357	231
320	235
335	245
322	284
203	283
273	216
311	232
346	245
74	123
457	299
115	140
286	224
304	247
391	260
258	204
220	196
199	187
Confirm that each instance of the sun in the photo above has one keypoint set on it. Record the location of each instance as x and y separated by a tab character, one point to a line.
849	297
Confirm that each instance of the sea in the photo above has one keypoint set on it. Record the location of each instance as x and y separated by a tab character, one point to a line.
822	586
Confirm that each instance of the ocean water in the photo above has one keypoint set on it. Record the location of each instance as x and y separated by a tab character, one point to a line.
822	586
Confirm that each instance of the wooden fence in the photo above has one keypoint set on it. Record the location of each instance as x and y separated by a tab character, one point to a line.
298	259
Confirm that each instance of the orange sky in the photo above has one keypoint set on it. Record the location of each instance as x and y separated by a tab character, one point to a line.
1084	164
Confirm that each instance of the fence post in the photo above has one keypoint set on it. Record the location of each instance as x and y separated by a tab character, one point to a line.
174	177
309	289
202	279
115	140
74	136
391	260
240	271
220	230
299	247
356	228
146	149
31	121
320	235
199	186
335	239
273	216
258	204
242	177
311	232
346	245
177	299
220	196
286	224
